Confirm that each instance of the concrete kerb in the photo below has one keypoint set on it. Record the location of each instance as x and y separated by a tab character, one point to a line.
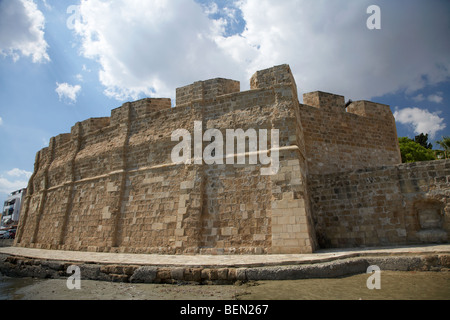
21	262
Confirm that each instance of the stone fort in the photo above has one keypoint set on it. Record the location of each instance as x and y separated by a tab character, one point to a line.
110	185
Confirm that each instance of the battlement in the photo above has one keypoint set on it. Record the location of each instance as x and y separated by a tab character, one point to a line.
209	90
148	105
325	101
90	125
336	103
274	77
140	108
370	109
206	90
278	75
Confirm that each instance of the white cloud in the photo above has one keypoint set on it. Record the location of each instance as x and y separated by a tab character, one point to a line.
1	121
330	48
327	43
67	91
436	98
8	186
15	179
168	44
421	121
211	8
22	30
19	173
46	5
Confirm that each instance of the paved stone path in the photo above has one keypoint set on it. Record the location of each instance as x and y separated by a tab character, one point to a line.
220	260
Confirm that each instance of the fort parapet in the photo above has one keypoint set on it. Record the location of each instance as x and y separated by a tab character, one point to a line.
110	184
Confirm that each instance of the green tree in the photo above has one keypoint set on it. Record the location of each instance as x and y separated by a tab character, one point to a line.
422	139
445	144
412	151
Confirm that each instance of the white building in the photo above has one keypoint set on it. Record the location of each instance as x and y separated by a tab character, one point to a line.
11	208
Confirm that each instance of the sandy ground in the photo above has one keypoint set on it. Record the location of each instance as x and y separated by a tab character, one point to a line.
56	289
394	285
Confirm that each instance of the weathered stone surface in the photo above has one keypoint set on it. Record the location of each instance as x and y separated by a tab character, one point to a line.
145	274
388	205
110	185
25	267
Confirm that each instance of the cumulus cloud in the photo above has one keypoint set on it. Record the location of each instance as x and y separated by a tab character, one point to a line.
67	92
327	43
22	30
167	44
421	121
13	180
330	48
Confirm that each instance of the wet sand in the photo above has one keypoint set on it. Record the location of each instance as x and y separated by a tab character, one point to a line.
394	285
56	289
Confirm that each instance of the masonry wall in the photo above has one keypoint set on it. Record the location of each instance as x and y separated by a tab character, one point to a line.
110	184
339	140
404	204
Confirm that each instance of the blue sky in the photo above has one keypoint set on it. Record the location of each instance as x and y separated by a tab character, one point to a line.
66	61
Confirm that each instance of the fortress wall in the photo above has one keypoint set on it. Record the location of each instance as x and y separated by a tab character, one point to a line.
110	185
266	205
240	221
236	221
52	200
99	153
236	213
404	204
89	219
150	211
31	202
160	209
338	141
102	177
58	172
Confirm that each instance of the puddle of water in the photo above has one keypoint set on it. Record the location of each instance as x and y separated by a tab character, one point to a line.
9	287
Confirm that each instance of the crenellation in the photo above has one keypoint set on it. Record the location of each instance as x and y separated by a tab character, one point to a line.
205	91
278	75
370	109
278	78
111	186
148	105
94	124
325	101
